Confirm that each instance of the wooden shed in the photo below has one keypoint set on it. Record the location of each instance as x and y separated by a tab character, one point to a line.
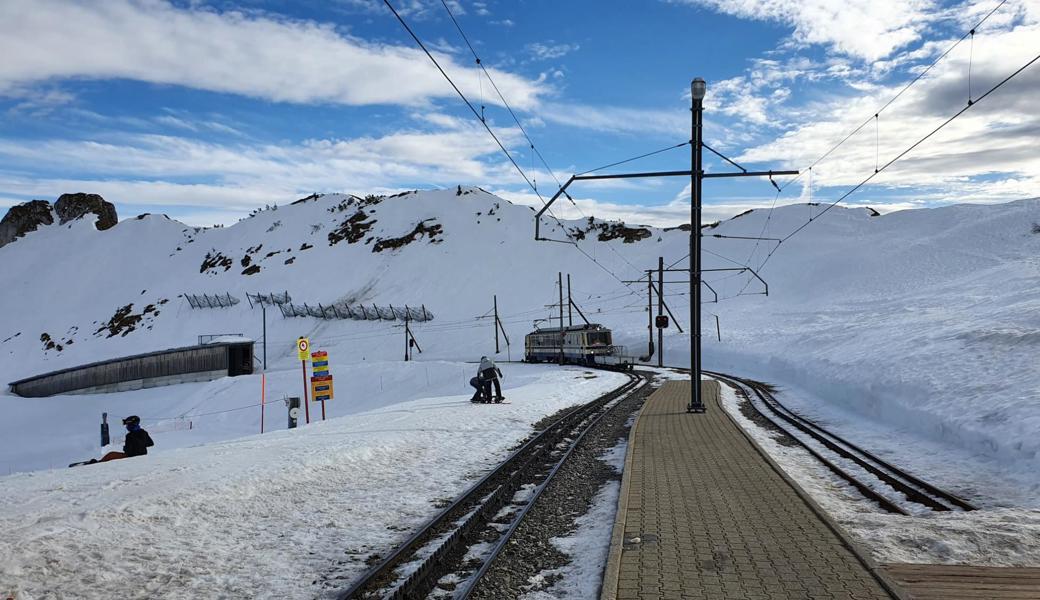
166	367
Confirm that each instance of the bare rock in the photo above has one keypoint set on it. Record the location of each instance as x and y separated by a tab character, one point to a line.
23	218
73	206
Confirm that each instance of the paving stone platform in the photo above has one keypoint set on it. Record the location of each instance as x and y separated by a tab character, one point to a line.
704	515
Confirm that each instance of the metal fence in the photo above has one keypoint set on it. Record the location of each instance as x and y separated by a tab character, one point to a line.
224	300
268	299
357	312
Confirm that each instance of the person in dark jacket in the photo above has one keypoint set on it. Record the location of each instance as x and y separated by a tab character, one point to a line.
137	441
490	374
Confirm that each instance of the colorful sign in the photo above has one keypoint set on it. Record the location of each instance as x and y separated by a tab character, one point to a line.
321	380
303	348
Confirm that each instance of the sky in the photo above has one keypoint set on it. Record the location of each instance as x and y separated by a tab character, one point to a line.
205	110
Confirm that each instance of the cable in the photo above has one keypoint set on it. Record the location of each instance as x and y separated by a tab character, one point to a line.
530	142
470	105
627	160
905	152
901	92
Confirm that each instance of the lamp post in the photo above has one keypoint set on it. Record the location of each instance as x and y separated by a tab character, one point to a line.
697	90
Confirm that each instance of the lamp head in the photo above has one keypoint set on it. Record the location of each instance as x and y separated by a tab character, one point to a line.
698	88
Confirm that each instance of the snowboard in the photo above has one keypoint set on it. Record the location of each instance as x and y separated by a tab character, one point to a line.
84	462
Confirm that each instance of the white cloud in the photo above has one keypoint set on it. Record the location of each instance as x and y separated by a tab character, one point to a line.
148	169
865	29
257	56
550	50
616	119
988	152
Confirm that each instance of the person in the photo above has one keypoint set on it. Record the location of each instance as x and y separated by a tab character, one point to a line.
490	374
478	389
136	443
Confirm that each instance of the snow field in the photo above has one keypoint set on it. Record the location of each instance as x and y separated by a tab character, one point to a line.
988	537
264	515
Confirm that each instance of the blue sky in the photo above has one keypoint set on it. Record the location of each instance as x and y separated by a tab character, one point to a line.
205	110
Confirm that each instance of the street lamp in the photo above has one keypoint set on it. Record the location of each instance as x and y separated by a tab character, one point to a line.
698	88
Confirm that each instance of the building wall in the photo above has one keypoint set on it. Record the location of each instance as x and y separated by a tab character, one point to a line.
196	363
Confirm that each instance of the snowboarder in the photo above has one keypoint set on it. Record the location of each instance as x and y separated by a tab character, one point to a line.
490	374
136	443
478	387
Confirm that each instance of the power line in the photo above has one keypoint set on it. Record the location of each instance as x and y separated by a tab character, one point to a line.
896	97
904	153
628	160
516	120
480	117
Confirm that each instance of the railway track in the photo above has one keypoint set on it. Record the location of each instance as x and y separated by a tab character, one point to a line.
892	488
457	547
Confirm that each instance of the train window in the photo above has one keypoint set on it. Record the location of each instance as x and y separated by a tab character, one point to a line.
599	338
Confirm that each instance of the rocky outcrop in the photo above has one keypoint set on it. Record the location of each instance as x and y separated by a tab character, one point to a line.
73	206
23	218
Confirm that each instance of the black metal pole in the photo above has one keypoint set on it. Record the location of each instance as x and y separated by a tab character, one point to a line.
407	336
660	310
562	335
570	302
697	90
650	313
496	325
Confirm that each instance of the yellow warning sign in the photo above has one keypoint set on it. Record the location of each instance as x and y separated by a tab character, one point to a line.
303	348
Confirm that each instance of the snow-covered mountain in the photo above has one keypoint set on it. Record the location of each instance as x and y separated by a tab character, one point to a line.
925	320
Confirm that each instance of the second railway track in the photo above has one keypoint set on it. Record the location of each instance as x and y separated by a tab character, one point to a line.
892	488
457	547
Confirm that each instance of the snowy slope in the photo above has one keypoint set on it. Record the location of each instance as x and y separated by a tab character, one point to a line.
921	322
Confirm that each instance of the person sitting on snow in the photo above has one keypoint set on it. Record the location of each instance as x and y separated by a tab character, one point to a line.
137	441
489	374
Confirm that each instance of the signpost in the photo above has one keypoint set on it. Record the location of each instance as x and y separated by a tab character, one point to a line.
321	381
303	348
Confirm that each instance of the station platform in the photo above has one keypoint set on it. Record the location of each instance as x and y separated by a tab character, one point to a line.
703	514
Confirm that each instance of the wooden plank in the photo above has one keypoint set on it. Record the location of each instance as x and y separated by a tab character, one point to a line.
957	582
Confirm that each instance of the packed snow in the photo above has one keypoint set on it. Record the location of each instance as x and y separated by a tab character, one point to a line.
290	514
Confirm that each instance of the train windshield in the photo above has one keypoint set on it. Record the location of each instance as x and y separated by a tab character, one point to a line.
599	338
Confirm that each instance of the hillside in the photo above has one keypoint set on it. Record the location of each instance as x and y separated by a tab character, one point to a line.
919	320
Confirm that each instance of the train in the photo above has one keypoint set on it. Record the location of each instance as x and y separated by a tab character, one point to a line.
591	344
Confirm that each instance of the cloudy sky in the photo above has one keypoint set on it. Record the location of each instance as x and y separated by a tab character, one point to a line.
206	109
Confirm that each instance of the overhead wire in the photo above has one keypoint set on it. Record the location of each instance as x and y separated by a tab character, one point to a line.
907	151
530	142
875	116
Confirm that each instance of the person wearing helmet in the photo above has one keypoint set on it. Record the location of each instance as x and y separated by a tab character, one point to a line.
489	374
136	443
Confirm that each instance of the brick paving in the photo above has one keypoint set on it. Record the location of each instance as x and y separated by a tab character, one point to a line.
707	517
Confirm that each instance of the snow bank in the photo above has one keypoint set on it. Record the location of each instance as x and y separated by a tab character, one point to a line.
290	514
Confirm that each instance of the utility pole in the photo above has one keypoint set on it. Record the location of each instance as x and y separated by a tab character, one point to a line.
263	309
563	336
698	88
660	310
496	325
570	302
650	312
696	173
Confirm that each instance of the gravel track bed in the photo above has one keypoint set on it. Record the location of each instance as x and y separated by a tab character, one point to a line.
568	497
